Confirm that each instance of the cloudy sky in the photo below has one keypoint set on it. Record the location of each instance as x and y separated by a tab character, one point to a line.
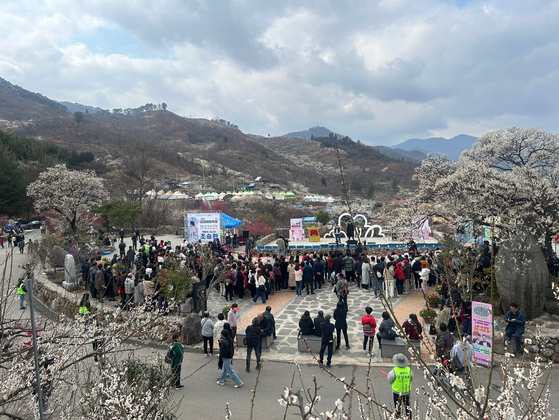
378	71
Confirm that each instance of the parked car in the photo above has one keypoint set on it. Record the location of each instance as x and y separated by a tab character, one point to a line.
35	224
8	228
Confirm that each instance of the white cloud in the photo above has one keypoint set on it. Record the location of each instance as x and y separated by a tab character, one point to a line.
376	72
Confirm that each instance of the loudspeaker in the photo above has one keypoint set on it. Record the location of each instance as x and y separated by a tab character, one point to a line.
351	242
245	234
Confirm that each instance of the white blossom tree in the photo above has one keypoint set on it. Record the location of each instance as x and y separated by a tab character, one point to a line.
121	384
511	175
67	194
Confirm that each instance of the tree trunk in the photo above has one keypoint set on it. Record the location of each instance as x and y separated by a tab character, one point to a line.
550	255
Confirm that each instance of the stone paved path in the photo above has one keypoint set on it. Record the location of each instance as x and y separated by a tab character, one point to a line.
288	309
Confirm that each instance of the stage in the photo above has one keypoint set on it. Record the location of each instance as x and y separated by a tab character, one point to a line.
330	244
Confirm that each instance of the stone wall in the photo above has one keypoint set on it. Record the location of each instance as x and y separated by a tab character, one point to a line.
266	239
546	347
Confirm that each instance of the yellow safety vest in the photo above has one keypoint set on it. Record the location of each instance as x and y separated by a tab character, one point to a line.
84	310
402	381
20	290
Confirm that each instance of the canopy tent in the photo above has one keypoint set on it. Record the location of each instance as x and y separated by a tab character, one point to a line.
228	222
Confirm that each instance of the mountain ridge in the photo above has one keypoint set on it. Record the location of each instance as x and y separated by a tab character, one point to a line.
452	147
316	131
193	148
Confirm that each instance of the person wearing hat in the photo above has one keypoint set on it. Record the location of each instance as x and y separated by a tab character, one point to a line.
401	377
21	291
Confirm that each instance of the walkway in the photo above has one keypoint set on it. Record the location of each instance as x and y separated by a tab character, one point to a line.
412	304
288	308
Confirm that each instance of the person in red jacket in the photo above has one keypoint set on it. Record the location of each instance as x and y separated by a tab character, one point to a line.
400	276
369	328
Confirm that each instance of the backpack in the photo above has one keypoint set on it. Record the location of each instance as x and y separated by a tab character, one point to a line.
367	328
457	363
344	291
252	279
170	355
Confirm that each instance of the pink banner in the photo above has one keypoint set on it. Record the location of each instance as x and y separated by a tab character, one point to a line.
296	233
482	332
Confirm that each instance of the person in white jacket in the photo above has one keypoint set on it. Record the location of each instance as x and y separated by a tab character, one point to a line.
390	279
424	277
260	287
464	352
366	274
218	327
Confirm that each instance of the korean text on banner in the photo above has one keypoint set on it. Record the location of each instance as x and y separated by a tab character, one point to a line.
482	332
203	226
296	231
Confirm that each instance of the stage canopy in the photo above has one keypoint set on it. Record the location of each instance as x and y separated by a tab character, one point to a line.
228	222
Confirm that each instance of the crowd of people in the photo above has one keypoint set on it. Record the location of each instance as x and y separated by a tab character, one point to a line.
258	276
17	240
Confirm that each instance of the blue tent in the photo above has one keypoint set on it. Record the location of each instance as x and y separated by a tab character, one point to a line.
228	222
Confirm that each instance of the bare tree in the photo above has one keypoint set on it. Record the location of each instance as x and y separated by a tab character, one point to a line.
139	169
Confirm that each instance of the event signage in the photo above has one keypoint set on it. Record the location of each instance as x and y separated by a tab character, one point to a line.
296	232
482	332
203	227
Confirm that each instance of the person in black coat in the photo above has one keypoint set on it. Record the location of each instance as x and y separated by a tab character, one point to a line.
350	229
327	341
340	316
317	323
240	283
265	325
268	314
306	326
338	263
254	342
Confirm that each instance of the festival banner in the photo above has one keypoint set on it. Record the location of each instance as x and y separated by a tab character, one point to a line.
296	231
482	332
203	226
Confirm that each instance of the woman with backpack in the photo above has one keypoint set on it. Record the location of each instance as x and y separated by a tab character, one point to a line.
342	290
386	329
369	326
251	281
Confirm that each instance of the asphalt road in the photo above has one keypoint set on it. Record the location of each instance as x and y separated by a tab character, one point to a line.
11	262
202	398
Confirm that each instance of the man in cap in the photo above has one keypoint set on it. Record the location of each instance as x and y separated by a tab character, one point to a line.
400	377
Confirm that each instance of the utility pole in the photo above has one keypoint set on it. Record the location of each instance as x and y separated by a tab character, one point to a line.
35	353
